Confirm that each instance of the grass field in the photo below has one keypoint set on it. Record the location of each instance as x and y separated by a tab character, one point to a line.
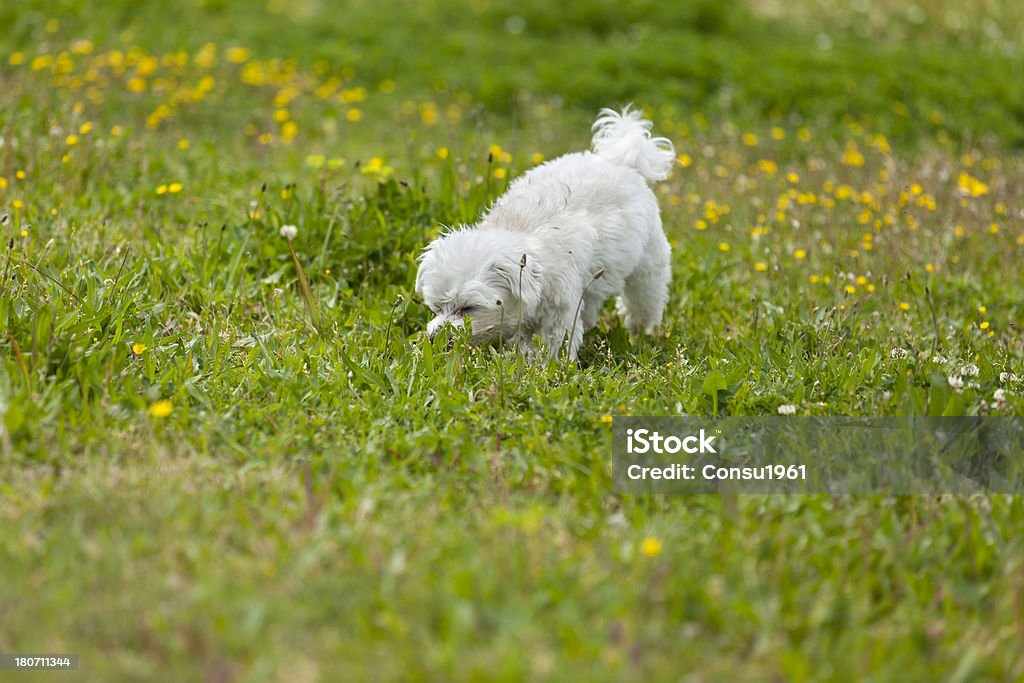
211	472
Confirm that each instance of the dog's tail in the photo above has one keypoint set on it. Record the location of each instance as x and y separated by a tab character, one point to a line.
625	139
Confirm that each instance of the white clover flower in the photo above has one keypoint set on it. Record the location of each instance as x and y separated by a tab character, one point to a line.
969	370
898	352
940	360
956	382
289	232
787	409
999	396
1007	378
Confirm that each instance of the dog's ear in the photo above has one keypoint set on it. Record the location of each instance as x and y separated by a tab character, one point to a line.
425	251
423	266
521	275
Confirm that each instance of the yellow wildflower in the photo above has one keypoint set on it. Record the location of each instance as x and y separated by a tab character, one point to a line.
237	55
651	547
852	155
289	130
376	166
161	408
971	186
429	114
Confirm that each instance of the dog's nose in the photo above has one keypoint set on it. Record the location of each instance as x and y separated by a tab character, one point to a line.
434	328
432	334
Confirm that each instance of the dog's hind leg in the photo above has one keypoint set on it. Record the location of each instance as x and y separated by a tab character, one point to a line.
645	293
591	307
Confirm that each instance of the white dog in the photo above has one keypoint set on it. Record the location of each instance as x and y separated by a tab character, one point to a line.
563	238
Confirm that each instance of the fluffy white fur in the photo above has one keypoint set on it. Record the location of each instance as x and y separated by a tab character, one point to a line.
565	236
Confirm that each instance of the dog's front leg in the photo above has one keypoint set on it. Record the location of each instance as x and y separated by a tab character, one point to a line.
564	331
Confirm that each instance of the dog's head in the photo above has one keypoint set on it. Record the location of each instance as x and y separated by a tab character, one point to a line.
485	276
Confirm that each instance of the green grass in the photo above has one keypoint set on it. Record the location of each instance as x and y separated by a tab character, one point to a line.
333	497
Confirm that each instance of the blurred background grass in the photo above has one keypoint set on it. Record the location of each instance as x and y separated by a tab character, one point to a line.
907	70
